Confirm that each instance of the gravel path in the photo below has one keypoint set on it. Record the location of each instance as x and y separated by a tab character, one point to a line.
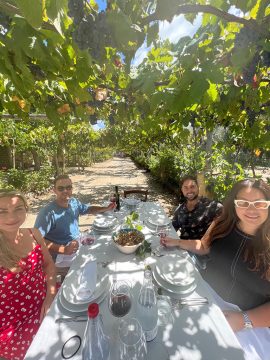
95	183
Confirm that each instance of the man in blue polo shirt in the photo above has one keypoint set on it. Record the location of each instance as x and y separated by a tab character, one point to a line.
58	221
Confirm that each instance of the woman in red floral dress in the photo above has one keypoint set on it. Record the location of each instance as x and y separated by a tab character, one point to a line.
27	278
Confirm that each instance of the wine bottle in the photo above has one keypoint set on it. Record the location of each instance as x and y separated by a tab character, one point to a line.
147	312
95	342
117	198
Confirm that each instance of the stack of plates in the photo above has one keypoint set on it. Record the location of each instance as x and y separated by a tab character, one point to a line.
103	223
67	293
176	275
131	203
158	221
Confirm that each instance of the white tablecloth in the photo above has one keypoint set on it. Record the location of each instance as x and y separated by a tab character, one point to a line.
197	332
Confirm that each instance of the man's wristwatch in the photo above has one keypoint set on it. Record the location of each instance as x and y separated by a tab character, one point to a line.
247	322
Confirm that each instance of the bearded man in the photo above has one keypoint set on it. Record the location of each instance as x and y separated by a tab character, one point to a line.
194	214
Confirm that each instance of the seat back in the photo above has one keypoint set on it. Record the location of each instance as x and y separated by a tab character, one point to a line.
142	193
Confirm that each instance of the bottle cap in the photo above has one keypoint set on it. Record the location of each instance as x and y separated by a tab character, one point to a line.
93	310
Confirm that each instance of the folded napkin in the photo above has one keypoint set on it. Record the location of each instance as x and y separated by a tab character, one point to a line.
87	281
64	260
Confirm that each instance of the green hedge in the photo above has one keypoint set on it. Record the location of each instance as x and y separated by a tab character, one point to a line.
27	181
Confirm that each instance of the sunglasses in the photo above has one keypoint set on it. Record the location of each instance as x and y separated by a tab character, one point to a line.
259	204
63	188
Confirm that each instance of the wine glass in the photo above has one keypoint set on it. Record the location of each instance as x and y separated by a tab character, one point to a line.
120	298
162	232
112	197
87	237
132	343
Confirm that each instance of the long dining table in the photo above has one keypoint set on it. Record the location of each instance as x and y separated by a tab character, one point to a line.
198	332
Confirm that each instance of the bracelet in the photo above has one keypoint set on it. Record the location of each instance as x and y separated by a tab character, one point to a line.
247	322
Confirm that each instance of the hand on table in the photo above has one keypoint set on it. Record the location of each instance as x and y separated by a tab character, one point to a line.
111	206
168	241
71	248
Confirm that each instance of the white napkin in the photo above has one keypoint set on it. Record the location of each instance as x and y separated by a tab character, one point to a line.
64	260
87	281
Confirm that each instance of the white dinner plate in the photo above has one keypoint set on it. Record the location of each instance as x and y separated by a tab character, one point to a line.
131	201
159	220
79	308
154	228
104	222
106	230
175	293
176	270
71	284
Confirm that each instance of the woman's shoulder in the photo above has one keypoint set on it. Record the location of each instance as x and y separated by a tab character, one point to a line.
32	232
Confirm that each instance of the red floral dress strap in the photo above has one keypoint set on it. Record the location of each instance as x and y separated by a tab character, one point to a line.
33	236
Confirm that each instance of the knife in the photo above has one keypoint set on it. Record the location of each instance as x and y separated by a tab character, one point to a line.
193	301
80	318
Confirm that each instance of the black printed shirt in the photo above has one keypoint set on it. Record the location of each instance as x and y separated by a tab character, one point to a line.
193	224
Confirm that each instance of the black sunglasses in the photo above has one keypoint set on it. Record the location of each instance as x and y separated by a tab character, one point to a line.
62	188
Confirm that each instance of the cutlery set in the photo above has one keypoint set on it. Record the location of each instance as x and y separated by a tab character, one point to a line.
176	304
80	318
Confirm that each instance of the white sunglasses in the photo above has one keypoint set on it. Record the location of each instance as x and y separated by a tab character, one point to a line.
259	204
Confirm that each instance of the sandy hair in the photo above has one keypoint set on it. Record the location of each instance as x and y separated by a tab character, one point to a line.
9	258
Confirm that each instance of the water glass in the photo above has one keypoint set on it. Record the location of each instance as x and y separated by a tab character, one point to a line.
132	343
162	232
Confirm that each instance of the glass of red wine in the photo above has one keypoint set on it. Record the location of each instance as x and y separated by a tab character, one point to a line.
120	298
112	198
87	238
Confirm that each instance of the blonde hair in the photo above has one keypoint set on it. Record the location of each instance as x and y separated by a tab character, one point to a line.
9	258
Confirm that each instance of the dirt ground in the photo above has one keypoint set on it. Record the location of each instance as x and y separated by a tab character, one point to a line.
95	184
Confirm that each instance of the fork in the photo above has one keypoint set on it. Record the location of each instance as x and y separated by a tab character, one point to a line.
180	303
157	253
104	264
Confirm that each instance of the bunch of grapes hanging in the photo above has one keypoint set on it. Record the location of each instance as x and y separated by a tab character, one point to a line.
91	28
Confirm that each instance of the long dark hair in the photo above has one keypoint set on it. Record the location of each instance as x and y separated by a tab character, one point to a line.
258	253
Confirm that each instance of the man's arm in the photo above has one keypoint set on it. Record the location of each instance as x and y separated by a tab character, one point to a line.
197	246
194	246
101	209
68	249
175	222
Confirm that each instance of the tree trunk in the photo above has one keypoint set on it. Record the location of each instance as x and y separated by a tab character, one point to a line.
13	153
201	183
208	149
57	168
36	159
9	156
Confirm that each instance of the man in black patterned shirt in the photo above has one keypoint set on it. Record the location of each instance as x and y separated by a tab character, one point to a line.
194	215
